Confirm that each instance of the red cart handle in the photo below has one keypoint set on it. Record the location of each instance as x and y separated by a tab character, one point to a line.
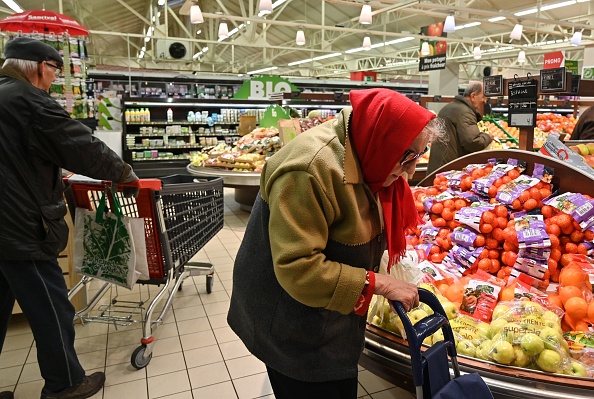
152	184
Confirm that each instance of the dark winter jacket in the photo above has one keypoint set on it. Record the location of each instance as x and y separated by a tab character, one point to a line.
37	139
463	135
584	129
314	230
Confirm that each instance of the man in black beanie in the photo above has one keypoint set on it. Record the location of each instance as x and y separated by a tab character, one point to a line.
37	139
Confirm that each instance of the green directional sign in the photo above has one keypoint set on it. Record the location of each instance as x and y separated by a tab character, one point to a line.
571	66
261	87
271	116
588	73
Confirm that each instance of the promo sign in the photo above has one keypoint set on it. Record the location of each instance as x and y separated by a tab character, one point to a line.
554	60
261	87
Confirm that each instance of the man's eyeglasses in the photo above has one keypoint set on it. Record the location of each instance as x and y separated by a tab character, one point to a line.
411	156
58	69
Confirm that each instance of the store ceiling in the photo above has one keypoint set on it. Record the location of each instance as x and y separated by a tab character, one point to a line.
331	28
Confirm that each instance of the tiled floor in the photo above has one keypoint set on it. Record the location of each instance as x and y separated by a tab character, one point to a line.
196	355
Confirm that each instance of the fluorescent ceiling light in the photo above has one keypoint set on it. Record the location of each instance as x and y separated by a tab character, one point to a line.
262	70
526	12
323	57
496	19
400	40
299	62
13	5
557	5
468	25
203	51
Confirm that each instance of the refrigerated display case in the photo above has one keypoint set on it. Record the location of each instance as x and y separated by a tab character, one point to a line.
386	354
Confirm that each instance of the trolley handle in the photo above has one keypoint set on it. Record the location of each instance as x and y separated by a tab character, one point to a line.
153	184
415	334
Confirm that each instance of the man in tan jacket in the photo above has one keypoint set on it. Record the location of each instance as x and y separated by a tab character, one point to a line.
463	135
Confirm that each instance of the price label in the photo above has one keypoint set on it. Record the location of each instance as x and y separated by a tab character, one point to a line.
553	80
522	120
493	85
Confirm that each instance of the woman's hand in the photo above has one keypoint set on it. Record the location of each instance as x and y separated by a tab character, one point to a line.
396	290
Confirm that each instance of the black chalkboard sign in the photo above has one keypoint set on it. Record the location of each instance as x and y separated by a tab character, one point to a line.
493	85
522	102
553	80
522	89
575	85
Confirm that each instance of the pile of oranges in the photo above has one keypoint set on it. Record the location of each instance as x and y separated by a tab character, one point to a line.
499	242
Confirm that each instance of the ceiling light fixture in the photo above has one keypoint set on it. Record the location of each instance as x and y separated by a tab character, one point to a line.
496	19
557	5
526	12
223	30
365	16
161	2
521	57
300	37
262	70
516	33
265	7
13	5
196	14
449	24
425	48
576	39
366	43
476	52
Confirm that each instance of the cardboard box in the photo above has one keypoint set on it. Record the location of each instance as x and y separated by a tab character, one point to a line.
555	148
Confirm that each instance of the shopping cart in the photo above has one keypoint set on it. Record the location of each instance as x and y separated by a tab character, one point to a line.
181	214
431	370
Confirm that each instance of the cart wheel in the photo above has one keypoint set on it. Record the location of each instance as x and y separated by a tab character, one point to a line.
209	281
138	360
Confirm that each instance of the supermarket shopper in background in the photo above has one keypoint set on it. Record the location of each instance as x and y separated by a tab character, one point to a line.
37	139
306	269
584	129
463	135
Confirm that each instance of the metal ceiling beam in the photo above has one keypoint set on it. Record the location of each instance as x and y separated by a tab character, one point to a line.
133	11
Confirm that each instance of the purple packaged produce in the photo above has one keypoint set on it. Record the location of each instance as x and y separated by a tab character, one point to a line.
531	232
471	215
481	186
576	205
428	234
463	237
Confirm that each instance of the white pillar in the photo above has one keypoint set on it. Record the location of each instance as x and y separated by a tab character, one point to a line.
443	82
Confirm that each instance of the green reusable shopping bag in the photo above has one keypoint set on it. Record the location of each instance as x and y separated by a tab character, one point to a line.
104	245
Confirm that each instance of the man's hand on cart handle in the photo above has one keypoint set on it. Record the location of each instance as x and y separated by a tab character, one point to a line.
130	185
397	290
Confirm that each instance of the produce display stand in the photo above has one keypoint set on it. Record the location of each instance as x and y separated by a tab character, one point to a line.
387	355
246	184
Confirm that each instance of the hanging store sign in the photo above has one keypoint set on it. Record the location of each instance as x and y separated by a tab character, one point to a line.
554	60
522	95
588	73
493	85
572	66
435	57
261	87
553	80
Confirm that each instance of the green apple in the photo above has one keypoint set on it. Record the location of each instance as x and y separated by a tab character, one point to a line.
500	311
577	369
466	348
428	341
376	321
549	360
590	148
428	287
530	307
532	344
512	332
470	333
583	149
522	359
394	324
503	352
554	325
426	308
484	349
532	322
437	336
417	315
496	326
552	316
483	329
551	337
450	310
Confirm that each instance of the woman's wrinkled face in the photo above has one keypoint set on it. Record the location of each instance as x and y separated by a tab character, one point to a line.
407	163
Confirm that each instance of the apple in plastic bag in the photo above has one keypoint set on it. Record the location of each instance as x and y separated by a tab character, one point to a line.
551	337
500	311
496	326
483	350
437	336
466	347
503	352
532	344
549	360
522	359
577	369
450	310
417	315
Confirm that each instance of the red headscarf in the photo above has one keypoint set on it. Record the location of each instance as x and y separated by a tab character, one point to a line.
383	125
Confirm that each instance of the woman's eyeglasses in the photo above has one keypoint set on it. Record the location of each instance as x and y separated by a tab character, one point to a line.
411	156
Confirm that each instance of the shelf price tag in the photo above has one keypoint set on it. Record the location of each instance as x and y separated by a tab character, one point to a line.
523	95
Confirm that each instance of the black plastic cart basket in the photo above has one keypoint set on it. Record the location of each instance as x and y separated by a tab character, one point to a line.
181	214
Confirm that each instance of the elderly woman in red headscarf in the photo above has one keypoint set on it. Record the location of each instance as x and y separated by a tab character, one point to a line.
330	203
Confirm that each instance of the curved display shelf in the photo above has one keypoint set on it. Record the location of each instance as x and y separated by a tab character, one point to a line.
246	184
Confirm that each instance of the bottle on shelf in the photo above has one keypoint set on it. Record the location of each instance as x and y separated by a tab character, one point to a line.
169	115
147	115
128	117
